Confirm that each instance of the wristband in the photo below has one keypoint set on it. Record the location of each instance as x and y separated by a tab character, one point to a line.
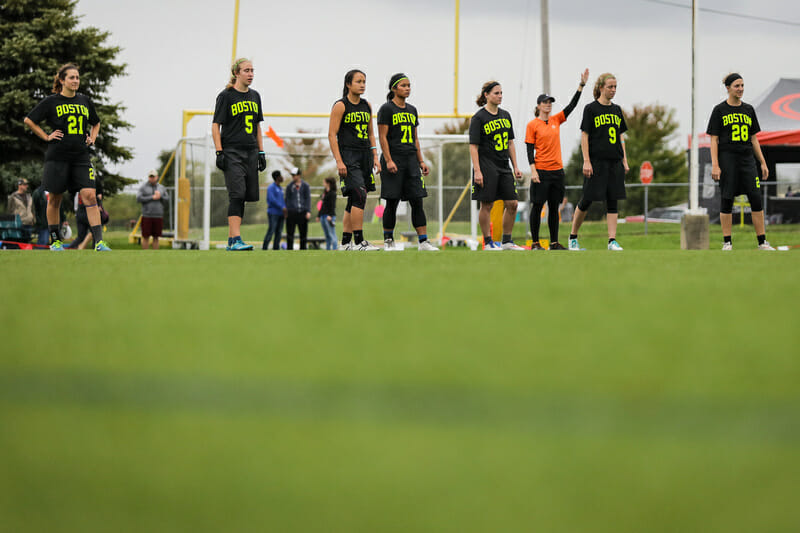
373	147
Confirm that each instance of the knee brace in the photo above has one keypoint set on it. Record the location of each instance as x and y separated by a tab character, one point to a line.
236	208
584	204
726	206
418	218
756	204
358	198
612	207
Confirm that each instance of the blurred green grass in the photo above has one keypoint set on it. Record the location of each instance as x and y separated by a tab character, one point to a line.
650	390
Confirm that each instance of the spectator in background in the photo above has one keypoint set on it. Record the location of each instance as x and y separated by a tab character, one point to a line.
39	198
276	212
327	214
20	203
298	206
152	195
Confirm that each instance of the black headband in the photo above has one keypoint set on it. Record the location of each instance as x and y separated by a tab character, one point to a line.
732	78
491	86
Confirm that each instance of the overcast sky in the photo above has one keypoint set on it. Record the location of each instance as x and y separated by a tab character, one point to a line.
178	54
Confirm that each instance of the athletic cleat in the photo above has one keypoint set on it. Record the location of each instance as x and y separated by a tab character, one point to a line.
537	246
388	245
493	246
365	246
614	246
102	246
556	246
512	246
766	246
574	246
427	247
728	246
57	246
346	247
239	246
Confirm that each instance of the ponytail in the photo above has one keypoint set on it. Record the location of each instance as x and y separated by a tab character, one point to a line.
348	79
601	82
393	81
61	75
487	88
235	68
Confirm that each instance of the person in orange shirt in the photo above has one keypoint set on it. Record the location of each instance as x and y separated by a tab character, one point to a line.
543	141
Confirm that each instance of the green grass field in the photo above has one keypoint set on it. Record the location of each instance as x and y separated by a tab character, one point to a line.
651	390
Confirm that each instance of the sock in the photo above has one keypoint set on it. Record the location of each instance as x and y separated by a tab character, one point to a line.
761	239
358	236
726	239
611	239
487	240
388	234
97	233
423	237
230	241
55	232
573	236
346	236
506	238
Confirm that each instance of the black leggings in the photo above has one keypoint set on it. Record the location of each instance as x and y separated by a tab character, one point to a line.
553	202
418	218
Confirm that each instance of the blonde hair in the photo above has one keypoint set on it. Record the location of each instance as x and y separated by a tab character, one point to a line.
236	67
61	75
487	87
601	82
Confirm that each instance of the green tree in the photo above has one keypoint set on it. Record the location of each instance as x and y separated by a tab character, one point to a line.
38	37
650	137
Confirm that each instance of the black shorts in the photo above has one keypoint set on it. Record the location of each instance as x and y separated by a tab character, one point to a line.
552	183
72	176
152	227
607	181
405	184
241	174
498	184
359	171
739	175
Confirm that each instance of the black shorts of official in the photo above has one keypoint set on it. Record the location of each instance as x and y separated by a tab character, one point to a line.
359	171
62	176
739	174
241	173
498	184
552	184
607	181
405	184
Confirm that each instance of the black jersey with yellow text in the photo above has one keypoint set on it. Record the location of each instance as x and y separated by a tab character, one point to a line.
353	131
402	122
734	125
605	125
492	134
74	117
238	115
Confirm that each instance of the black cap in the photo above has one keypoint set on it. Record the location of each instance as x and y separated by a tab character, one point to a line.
22	181
544	98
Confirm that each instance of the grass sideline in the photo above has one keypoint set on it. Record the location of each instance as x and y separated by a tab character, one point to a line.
651	390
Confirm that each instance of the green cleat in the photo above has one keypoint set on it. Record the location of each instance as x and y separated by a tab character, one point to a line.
57	246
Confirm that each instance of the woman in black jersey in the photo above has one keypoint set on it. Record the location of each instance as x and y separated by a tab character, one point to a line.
604	159
402	163
352	141
236	130
326	215
74	127
491	145
733	126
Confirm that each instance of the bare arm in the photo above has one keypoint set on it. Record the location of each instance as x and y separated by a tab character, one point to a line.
476	165
39	132
333	128
587	164
383	132
714	148
215	135
259	138
93	134
624	156
422	164
376	162
512	152
760	157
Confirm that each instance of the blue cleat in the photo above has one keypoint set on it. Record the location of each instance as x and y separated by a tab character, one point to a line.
238	246
102	246
57	246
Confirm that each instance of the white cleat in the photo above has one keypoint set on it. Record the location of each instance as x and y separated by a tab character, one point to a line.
614	246
365	246
727	246
766	246
574	246
512	246
346	247
427	247
493	246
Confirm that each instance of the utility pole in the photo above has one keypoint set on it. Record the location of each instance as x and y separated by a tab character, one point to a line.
545	47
